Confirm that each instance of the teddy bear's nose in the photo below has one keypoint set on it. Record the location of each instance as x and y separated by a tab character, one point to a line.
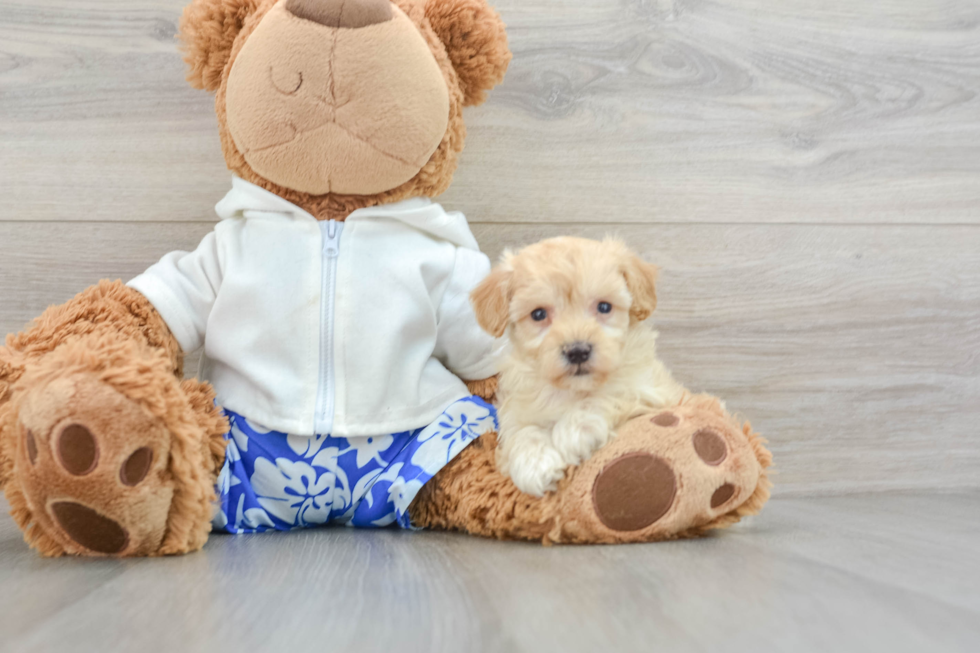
342	13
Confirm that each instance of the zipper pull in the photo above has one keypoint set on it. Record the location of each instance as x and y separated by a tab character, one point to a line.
330	245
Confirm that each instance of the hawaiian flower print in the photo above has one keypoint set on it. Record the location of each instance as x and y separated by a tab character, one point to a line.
443	440
370	448
292	491
277	481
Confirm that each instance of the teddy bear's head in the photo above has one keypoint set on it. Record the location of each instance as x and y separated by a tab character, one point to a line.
340	104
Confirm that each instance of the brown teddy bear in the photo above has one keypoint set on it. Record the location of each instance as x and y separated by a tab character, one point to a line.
331	302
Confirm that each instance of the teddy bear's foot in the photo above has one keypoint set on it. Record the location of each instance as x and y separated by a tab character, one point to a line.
112	454
92	468
674	473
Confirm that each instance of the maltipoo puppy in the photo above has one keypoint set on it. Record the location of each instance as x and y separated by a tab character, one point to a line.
580	361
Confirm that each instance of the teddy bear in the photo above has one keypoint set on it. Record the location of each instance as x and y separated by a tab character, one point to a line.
344	377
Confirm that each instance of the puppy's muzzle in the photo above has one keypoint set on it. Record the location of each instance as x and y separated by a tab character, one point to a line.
577	353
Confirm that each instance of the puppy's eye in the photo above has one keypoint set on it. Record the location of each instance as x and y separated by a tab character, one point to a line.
539	314
605	307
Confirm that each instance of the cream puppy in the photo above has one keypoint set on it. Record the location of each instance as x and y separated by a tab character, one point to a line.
580	361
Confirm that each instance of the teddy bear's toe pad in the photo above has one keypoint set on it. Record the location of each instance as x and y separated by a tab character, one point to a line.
88	528
710	447
721	496
92	467
77	449
136	467
634	491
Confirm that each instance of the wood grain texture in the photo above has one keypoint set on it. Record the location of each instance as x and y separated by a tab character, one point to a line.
627	111
798	170
854	349
862	573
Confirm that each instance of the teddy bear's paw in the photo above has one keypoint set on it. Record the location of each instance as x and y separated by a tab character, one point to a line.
92	467
665	475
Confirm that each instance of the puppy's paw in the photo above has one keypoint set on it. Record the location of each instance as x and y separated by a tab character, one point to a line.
539	475
579	434
533	464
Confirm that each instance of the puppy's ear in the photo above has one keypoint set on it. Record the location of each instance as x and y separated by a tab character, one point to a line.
641	279
491	300
208	29
476	42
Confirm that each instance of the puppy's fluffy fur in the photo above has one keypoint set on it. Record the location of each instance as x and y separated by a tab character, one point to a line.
560	301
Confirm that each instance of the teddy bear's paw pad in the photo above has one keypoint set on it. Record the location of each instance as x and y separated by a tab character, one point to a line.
30	446
665	419
77	450
634	491
92	465
721	496
710	446
136	467
90	529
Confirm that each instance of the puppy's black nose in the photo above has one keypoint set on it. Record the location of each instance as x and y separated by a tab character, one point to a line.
577	352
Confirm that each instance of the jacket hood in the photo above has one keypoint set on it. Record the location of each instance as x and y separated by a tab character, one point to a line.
246	199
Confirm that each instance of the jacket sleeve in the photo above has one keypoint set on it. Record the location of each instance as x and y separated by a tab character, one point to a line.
461	345
183	287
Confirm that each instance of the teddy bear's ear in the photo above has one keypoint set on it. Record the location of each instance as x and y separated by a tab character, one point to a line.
208	29
475	39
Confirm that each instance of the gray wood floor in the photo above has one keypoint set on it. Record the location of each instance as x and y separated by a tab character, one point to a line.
877	572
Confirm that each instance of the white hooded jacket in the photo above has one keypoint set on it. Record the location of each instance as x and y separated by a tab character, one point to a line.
312	327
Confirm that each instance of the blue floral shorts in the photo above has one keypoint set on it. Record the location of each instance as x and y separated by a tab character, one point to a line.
276	481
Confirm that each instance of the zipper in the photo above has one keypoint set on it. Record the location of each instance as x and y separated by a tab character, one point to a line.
326	392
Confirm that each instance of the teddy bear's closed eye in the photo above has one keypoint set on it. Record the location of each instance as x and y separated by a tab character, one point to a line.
288	84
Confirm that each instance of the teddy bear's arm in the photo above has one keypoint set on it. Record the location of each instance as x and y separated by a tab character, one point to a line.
183	286
106	306
461	344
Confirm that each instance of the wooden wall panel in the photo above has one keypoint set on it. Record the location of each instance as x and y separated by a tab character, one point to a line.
807	174
854	349
631	111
